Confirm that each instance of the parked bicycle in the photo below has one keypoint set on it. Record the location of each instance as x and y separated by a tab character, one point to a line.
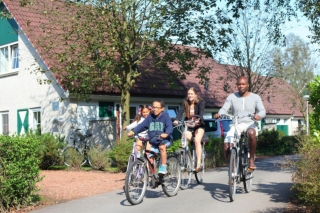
187	160
239	160
138	176
77	149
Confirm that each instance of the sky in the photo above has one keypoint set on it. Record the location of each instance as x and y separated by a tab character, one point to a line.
299	28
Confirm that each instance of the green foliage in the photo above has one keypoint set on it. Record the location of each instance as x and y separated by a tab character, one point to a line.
49	150
72	157
99	157
294	63
307	174
121	152
273	142
174	147
19	170
314	100
214	153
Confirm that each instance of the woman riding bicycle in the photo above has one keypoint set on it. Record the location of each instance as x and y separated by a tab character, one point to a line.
193	105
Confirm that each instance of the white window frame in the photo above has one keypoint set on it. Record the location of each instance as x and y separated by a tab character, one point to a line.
35	122
13	57
1	122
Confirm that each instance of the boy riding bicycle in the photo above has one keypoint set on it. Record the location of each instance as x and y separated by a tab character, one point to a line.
159	126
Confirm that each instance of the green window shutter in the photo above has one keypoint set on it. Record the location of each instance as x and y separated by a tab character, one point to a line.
9	29
106	109
283	128
23	121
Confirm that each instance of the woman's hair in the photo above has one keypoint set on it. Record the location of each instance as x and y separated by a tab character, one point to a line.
187	102
141	108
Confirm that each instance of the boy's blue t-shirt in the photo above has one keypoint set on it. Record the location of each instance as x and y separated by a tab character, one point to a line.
156	126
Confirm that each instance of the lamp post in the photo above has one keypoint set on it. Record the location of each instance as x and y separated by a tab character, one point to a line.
306	97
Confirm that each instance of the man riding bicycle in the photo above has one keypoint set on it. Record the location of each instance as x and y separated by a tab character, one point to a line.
243	103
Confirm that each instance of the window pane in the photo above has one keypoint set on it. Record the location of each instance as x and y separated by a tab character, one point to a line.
5	123
14	57
172	111
133	113
4	60
106	109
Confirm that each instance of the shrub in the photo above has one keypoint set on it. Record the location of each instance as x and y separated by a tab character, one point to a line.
306	177
121	152
72	157
174	147
99	157
214	153
273	142
20	171
48	153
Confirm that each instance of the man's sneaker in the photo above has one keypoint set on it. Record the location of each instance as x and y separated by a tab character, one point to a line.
162	170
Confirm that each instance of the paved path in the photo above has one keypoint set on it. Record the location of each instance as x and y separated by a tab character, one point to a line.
270	194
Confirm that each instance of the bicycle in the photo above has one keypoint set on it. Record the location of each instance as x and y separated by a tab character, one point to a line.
138	175
184	156
77	150
239	169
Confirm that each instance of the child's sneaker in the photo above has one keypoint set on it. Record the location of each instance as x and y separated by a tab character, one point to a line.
162	170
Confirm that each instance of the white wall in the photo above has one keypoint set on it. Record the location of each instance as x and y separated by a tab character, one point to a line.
21	91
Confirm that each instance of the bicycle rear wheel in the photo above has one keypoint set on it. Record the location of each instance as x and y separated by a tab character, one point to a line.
172	180
232	174
72	157
199	175
136	182
186	170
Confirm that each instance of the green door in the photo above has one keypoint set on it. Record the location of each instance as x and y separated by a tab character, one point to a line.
23	124
283	128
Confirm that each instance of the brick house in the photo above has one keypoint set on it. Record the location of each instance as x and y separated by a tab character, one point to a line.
28	102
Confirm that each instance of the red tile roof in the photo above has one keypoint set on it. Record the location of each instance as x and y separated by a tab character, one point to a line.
277	99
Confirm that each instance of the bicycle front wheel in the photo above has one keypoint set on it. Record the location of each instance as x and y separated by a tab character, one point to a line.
186	170
130	160
136	182
247	180
172	180
246	175
232	174
72	157
199	175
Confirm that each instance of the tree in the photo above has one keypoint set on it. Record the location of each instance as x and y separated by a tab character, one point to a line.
314	100
252	40
311	10
294	63
106	45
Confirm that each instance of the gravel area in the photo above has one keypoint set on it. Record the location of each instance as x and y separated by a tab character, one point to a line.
61	186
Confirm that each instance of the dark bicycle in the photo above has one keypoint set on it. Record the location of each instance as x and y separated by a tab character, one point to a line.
239	160
77	149
138	176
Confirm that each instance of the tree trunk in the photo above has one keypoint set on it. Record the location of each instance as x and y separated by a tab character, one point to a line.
125	112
